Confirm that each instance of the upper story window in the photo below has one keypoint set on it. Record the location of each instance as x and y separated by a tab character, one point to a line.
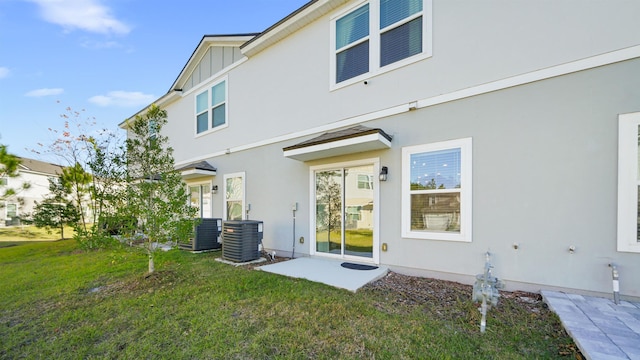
153	129
378	36
629	182
211	108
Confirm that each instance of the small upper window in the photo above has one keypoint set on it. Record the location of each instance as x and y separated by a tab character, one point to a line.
629	182
153	129
379	36
211	108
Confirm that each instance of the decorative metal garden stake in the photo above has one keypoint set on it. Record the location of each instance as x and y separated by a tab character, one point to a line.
485	289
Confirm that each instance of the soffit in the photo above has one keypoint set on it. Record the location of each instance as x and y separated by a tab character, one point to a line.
342	142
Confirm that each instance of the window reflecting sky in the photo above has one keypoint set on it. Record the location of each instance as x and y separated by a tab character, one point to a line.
439	167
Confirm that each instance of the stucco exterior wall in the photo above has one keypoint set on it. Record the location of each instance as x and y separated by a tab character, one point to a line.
545	165
285	88
544	152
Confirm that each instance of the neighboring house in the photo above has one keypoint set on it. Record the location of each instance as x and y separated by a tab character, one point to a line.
35	173
502	126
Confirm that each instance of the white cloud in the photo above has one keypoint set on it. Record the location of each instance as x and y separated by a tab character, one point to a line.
4	72
44	92
87	15
122	99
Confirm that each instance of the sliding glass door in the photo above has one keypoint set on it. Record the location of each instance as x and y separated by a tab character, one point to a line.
344	218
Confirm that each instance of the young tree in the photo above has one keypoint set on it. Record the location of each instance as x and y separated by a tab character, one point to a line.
77	183
108	166
157	196
57	210
94	170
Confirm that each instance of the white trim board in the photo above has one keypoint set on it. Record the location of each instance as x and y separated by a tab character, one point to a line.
526	78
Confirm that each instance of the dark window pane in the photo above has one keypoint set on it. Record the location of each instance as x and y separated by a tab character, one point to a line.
352	62
219	115
401	42
203	120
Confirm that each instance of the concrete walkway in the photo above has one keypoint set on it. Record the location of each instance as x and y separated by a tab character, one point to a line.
600	328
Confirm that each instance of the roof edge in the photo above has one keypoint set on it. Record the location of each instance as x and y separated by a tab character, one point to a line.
307	13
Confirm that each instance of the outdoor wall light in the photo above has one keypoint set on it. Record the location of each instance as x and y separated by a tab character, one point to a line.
383	173
214	189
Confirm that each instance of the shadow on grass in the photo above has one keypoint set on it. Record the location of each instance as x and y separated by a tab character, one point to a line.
31	233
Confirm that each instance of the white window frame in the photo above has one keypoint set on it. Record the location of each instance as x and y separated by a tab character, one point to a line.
628	181
210	107
374	41
241	175
466	161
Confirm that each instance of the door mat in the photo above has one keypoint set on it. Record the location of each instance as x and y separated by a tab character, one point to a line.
358	266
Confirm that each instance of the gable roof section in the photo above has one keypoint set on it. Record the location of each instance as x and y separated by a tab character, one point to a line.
232	40
346	141
38	166
249	43
207	41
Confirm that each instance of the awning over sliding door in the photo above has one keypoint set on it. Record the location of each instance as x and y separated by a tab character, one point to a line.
342	142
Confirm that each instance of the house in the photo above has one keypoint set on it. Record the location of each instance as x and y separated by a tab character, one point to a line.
422	134
36	173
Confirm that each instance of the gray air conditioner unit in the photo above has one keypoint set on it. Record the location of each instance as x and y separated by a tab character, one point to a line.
240	239
206	236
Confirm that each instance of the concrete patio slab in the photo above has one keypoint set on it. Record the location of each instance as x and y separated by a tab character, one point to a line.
326	271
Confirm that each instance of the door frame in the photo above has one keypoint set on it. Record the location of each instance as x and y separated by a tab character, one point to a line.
376	209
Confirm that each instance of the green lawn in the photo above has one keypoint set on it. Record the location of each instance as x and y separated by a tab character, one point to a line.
31	233
359	240
61	303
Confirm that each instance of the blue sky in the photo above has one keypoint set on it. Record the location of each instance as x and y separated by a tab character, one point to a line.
106	59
